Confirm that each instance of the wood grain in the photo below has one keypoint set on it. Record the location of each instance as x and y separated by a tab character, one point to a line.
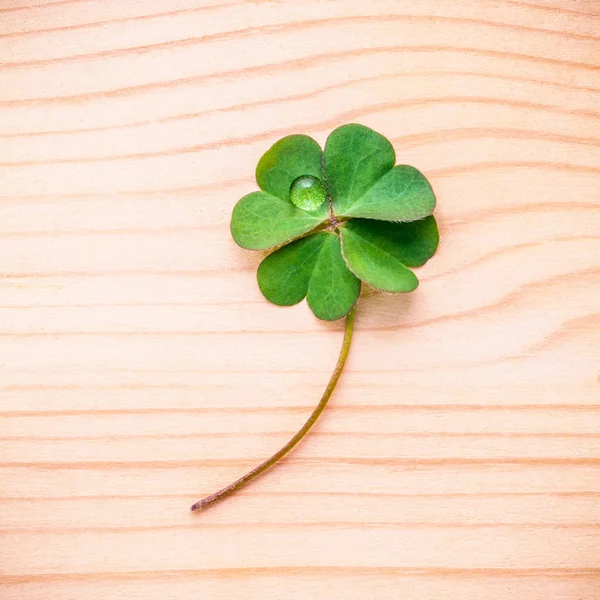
141	369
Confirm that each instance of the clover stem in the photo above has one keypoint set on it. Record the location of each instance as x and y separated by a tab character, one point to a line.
248	477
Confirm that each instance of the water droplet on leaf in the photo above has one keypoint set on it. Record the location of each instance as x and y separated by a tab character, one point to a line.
307	192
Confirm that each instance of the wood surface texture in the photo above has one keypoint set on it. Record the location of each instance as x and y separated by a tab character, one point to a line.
141	369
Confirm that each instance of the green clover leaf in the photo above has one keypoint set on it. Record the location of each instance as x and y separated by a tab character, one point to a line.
336	218
333	219
263	220
310	267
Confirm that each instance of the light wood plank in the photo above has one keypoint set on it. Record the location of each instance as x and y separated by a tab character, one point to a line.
140	368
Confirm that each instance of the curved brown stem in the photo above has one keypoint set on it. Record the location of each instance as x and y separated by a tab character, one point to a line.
248	477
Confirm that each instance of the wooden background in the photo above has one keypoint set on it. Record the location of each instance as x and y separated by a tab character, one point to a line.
141	369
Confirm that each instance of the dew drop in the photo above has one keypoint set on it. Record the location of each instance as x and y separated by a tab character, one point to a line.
307	192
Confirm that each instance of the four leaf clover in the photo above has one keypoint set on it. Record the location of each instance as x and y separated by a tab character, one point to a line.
335	218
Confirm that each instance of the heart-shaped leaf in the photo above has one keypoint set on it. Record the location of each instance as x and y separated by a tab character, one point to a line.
379	252
402	194
356	157
284	275
261	221
312	266
288	159
333	290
